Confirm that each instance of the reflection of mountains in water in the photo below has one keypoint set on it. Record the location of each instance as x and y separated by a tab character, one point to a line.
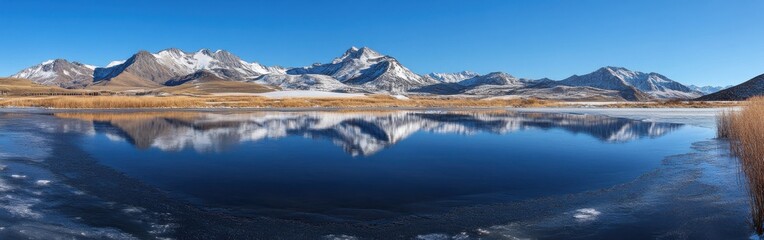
359	133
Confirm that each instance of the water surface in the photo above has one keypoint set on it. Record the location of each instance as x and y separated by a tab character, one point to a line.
380	174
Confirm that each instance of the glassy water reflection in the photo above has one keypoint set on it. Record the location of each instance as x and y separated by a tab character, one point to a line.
357	133
406	174
382	164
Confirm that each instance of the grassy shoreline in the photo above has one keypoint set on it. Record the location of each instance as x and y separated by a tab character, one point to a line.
745	132
372	101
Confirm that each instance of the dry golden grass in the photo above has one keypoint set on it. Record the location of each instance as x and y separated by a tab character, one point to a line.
376	101
745	131
14	86
102	102
209	87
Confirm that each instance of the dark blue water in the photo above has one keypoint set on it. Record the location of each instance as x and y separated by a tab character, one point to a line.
398	174
367	167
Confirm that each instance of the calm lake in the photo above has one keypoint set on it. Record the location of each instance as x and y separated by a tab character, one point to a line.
436	174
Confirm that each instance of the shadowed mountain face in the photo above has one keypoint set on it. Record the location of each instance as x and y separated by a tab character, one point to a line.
750	88
362	133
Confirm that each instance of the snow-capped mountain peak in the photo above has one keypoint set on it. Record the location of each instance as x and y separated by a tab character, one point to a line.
361	54
59	72
620	78
173	62
453	77
494	78
368	69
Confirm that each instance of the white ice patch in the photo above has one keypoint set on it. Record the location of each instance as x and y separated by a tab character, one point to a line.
19	207
586	214
339	237
42	182
441	236
18	176
132	210
4	187
433	236
160	229
509	231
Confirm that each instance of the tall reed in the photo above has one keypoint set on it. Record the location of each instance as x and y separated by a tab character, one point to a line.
745	131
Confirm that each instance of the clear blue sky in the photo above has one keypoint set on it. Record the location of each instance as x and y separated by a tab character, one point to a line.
716	42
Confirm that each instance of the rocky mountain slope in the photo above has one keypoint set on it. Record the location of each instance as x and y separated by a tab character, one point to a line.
315	82
60	73
630	82
368	69
452	77
172	63
750	88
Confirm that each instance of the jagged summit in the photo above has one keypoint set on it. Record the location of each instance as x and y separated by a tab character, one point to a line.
362	54
368	69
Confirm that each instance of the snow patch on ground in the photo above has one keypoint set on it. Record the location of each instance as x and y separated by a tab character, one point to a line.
401	97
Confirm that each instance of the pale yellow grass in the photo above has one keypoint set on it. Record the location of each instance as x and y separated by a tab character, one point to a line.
378	101
14	86
745	131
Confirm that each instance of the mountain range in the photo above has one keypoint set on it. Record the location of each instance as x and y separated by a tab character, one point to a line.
708	89
360	70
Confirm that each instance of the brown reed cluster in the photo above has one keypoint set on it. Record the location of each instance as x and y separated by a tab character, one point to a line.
745	130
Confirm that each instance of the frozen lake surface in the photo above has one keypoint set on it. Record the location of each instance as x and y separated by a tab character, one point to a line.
439	174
